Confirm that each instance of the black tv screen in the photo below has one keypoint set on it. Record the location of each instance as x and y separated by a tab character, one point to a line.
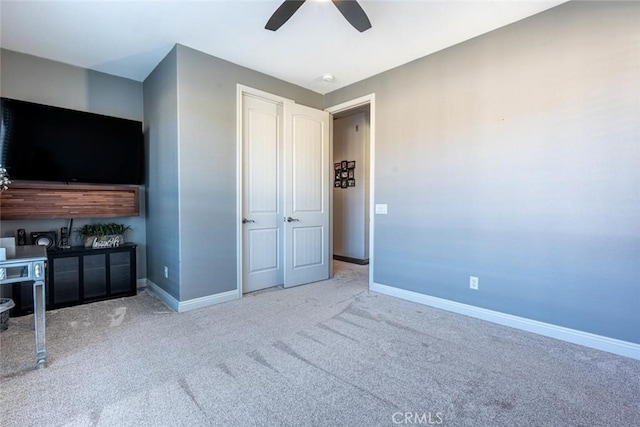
44	143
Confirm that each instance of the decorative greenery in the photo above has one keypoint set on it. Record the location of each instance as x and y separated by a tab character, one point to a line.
101	229
4	179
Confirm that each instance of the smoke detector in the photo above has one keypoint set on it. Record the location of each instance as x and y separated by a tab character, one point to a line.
328	77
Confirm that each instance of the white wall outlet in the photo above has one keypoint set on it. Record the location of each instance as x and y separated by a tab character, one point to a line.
381	209
473	282
166	272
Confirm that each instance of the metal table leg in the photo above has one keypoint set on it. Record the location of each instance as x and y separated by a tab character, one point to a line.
39	316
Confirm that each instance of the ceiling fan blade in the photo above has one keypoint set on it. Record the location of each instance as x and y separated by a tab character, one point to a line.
283	13
353	13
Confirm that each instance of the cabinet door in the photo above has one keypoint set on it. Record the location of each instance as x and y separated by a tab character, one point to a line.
65	286
94	270
120	272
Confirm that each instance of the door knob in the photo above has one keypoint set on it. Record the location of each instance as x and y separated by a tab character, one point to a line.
289	219
245	220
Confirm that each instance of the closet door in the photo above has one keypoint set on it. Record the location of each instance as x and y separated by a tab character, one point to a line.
306	195
261	204
285	194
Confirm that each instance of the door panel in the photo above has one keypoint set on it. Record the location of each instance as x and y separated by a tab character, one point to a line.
264	249
307	165
308	247
262	228
306	200
262	160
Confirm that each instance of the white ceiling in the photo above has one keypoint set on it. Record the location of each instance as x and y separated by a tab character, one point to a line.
129	38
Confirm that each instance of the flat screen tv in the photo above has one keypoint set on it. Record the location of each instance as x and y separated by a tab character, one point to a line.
44	143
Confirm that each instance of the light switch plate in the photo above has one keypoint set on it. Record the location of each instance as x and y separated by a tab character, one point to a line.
381	209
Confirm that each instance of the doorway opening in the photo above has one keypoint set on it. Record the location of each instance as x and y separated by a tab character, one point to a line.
353	138
351	185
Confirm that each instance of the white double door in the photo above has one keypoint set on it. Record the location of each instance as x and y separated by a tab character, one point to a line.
285	201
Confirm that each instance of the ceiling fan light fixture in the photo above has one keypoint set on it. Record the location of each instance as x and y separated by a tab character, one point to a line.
350	9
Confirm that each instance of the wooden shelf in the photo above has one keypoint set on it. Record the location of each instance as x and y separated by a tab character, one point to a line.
53	201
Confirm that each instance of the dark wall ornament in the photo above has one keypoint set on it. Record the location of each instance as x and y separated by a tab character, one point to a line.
344	174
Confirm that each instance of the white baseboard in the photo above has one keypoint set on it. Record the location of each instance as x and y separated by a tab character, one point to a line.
192	304
195	303
611	345
141	283
164	296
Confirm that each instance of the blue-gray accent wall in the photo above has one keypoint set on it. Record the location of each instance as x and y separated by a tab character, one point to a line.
515	157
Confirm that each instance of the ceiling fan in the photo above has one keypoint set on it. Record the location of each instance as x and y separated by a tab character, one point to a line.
350	9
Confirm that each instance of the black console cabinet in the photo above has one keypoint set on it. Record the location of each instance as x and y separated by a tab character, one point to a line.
78	276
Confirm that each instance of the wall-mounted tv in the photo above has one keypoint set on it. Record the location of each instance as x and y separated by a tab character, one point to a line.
45	143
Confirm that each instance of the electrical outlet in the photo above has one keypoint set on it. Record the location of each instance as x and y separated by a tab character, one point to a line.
473	282
166	272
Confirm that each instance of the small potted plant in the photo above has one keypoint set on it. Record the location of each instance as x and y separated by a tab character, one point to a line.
102	235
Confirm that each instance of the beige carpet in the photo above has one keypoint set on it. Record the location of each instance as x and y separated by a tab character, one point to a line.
326	354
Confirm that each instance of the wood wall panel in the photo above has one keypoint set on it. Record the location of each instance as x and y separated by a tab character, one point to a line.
44	201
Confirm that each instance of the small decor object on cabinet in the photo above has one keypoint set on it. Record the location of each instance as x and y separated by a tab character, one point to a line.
4	179
102	235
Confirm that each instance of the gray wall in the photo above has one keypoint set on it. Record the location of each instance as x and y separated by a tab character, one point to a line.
161	139
34	79
514	157
206	174
350	209
39	80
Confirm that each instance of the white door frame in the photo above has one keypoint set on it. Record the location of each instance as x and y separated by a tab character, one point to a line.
242	90
348	105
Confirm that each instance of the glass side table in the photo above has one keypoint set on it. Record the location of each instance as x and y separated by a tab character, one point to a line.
25	264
